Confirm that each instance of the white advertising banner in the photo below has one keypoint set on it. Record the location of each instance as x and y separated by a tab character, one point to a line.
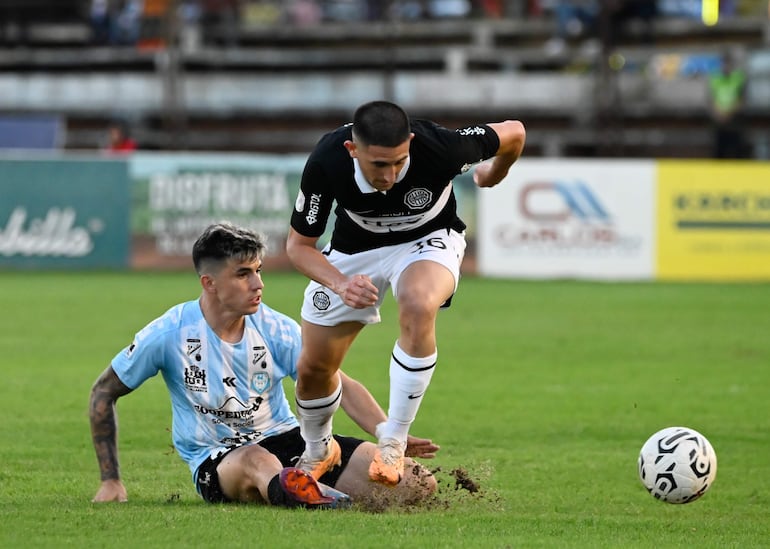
591	219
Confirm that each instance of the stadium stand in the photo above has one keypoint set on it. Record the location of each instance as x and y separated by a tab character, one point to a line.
272	76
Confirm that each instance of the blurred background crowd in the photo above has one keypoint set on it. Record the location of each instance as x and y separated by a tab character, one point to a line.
128	22
683	78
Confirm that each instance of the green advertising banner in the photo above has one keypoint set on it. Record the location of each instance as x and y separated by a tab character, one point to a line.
175	196
58	213
145	210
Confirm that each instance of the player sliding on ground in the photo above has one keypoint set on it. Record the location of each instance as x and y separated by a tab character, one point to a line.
223	357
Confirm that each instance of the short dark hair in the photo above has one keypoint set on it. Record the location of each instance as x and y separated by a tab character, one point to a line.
381	123
222	241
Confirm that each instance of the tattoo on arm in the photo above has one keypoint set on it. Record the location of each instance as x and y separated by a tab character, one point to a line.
104	424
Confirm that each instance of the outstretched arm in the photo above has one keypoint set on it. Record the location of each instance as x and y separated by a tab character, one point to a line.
362	408
512	136
104	433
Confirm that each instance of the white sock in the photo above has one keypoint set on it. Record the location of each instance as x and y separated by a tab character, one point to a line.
315	421
409	379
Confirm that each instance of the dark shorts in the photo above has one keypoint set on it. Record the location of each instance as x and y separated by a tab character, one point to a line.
287	447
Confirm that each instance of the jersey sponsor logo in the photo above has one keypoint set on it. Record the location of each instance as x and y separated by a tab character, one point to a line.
194	346
417	199
388	224
474	130
260	382
233	412
259	354
394	222
321	300
312	213
195	379
240	440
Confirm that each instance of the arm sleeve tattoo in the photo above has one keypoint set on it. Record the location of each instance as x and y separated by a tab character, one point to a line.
104	423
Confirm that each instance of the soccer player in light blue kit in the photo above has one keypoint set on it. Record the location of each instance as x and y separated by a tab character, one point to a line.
223	357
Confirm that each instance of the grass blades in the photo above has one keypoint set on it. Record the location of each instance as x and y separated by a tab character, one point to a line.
543	395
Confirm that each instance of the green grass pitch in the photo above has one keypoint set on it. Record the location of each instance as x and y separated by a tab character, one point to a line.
544	393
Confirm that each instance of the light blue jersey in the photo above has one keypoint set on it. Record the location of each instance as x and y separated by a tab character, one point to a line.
222	394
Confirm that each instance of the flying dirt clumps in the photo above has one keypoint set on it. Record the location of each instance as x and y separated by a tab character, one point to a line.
456	488
464	481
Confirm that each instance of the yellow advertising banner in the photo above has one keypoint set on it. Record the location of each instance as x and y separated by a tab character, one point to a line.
713	220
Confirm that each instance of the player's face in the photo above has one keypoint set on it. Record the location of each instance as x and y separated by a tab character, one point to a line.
239	286
380	165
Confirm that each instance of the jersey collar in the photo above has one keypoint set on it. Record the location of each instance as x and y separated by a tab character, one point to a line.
363	184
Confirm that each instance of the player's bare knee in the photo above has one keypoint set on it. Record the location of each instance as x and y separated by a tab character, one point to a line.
243	473
317	369
418	479
417	312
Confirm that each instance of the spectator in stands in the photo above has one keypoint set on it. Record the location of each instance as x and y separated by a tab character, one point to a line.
624	12
119	138
190	32
413	10
116	22
126	22
727	89
99	16
447	9
406	10
221	19
15	18
574	19
494	9
304	13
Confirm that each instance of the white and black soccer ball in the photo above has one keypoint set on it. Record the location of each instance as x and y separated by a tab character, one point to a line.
677	465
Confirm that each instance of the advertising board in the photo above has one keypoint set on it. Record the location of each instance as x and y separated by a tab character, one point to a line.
58	213
569	219
713	220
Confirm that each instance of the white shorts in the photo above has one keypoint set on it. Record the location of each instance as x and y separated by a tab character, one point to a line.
384	266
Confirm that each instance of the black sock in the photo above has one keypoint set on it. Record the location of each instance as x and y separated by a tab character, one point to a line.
277	496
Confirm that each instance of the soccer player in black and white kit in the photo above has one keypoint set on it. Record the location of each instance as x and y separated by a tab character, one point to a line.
396	227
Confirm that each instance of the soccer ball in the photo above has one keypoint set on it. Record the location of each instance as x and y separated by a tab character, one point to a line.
677	465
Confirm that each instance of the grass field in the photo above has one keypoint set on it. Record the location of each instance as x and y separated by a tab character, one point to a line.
544	394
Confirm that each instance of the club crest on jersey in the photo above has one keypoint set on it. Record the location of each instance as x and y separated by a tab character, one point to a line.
260	382
417	199
321	300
